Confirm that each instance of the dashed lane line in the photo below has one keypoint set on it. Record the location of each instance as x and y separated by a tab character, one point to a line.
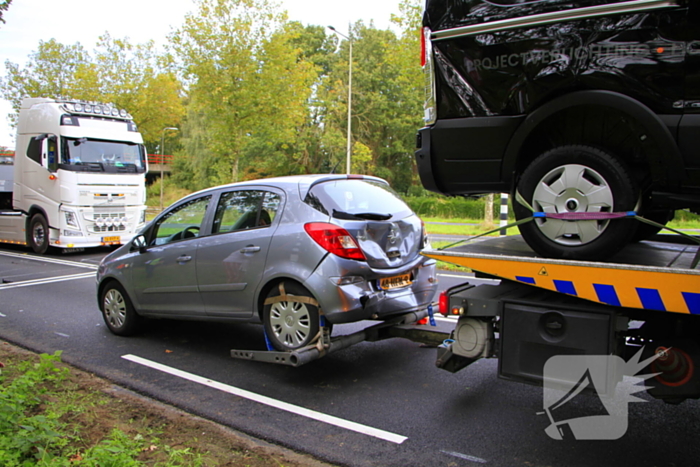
47	280
49	260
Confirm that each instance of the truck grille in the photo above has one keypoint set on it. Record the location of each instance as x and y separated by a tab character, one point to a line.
109	222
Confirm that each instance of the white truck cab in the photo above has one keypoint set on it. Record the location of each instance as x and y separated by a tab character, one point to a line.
78	178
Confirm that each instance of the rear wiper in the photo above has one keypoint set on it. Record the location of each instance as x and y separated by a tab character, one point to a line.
361	216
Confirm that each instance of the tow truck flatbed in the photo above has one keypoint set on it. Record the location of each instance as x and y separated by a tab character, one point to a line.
649	275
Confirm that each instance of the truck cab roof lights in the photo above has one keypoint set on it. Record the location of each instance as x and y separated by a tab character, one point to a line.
95	109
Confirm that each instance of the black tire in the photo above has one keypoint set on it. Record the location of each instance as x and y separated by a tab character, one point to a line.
38	234
577	179
646	231
290	317
118	311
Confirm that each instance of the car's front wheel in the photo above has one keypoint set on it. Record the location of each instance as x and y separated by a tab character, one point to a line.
38	235
290	316
118	311
577	179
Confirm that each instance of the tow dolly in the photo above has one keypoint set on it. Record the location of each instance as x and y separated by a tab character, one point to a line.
403	326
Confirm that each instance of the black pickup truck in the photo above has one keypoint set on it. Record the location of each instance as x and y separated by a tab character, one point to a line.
586	106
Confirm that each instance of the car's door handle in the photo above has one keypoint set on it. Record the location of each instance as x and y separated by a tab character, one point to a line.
184	258
250	249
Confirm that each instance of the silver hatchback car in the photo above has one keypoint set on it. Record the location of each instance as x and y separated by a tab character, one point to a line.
295	253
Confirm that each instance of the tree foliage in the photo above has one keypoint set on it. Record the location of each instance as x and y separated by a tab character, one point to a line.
248	84
4	6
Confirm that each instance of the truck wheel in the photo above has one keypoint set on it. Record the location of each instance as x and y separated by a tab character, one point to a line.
577	179
38	234
290	317
118	311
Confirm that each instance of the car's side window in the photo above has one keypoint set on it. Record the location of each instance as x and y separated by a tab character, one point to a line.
245	209
181	223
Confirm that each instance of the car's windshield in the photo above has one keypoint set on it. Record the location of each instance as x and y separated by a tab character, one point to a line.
359	198
83	154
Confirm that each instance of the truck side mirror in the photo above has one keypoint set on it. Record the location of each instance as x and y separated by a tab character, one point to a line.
139	243
49	152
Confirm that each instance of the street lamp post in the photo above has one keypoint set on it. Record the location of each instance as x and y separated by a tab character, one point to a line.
349	149
162	162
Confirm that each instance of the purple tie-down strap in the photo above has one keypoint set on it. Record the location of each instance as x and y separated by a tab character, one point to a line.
583	216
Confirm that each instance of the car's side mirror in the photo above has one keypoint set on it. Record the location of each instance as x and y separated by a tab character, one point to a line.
139	243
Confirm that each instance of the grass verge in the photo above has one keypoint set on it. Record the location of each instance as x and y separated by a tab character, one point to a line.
55	415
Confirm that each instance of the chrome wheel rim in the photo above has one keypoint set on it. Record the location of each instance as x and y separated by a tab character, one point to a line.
290	322
115	308
572	188
38	234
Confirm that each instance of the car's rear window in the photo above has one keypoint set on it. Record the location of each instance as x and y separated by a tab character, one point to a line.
356	197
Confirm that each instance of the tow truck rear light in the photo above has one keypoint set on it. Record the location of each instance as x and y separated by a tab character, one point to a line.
444	303
335	240
444	306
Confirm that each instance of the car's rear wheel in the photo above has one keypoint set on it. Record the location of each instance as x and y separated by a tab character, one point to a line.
290	316
576	179
118	311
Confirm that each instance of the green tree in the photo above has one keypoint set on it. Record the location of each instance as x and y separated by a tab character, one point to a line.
387	93
4	6
248	85
49	73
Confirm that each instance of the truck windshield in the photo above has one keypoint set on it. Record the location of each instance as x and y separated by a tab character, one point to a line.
92	155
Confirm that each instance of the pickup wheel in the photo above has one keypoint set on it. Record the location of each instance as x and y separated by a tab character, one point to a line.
118	311
38	234
577	179
290	317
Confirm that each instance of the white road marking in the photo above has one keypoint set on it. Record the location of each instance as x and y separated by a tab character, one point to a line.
295	409
465	456
47	280
49	260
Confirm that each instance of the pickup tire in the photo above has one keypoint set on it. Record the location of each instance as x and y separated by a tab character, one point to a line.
577	179
38	234
290	317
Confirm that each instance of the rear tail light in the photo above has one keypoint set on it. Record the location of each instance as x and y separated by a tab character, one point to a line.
335	240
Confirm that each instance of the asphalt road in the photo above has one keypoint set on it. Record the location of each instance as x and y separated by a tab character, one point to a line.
374	404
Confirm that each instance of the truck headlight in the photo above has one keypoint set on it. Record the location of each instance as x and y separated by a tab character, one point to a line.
71	218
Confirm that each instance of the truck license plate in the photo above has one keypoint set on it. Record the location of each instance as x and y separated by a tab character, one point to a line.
395	282
113	239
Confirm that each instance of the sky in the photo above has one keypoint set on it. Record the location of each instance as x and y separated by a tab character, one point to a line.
69	21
